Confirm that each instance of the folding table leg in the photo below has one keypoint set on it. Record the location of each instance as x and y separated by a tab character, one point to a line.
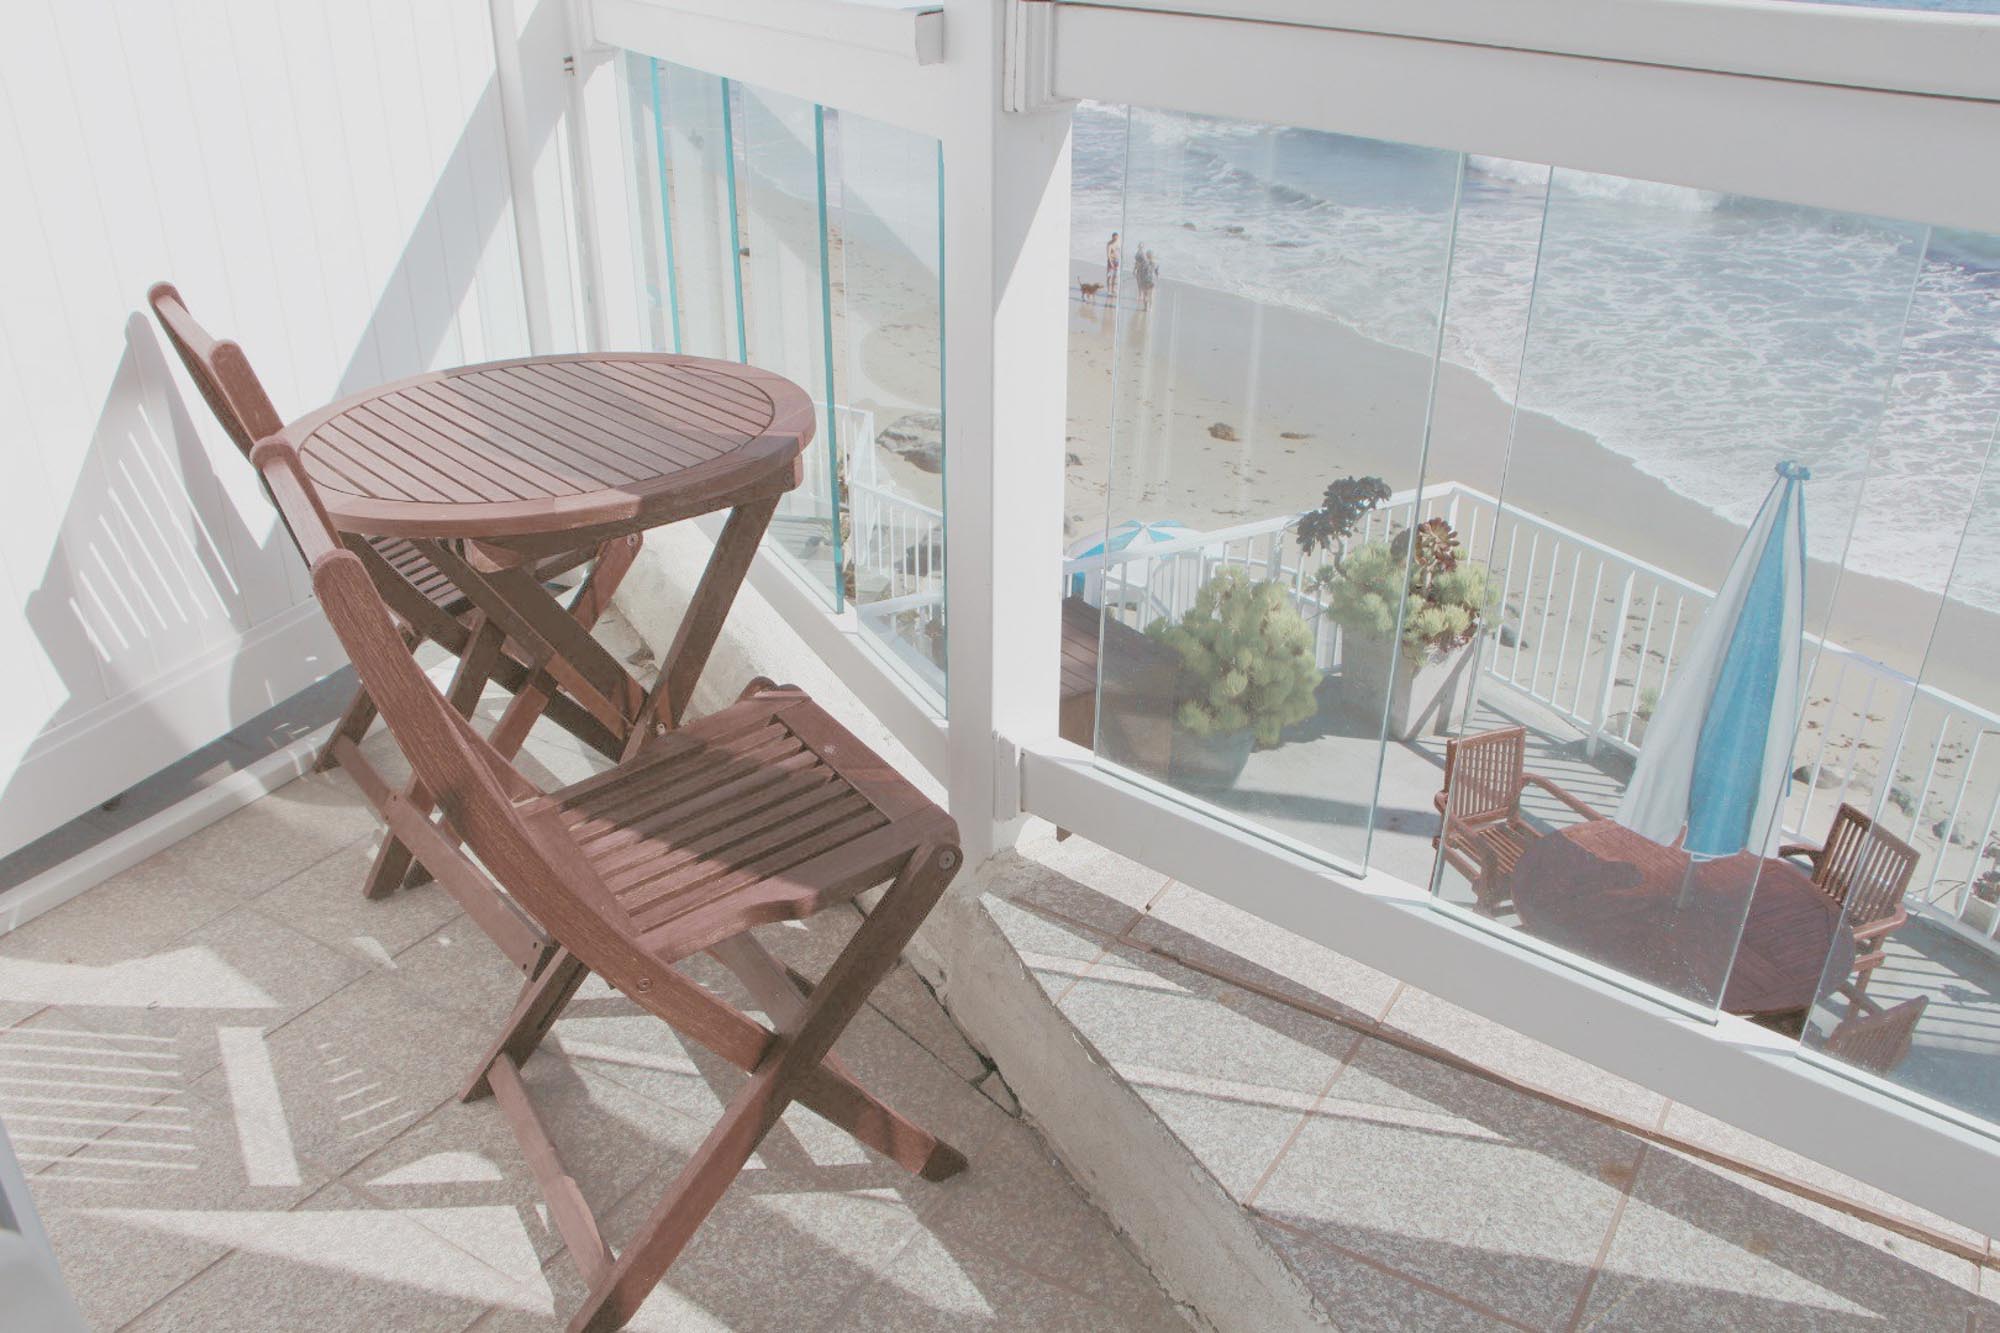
592	599
468	683
773	1085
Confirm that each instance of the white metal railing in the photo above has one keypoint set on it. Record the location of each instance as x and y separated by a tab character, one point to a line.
1595	636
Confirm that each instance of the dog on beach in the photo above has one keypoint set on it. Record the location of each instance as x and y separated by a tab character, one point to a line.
1088	291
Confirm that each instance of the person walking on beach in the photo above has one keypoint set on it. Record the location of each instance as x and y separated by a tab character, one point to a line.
1111	267
1147	270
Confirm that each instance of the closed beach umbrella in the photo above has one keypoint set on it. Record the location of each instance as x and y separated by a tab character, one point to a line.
1089	583
1718	751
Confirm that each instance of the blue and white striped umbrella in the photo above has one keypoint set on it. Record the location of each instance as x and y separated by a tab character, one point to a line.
1088	584
1718	752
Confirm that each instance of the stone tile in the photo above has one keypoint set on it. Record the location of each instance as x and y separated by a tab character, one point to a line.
1501	1049
324	902
456	967
1721	1136
1360	1295
1054	952
140	1210
1699	1248
1208	931
364	1065
903	997
779	1252
1235	1133
1150	1017
63	1084
1017	1201
1501	1199
136	912
1076	878
606	1035
934	1286
239	972
335	1262
271	839
464	1156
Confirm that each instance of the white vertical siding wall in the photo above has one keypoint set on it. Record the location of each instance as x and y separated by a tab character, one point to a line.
326	182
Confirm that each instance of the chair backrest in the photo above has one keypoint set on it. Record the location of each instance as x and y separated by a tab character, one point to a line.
219	369
1483	774
1877	1041
1864	868
480	792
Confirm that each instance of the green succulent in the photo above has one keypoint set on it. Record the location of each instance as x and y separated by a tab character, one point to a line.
1449	596
1246	659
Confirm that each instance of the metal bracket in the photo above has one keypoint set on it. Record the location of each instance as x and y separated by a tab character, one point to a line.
1028	57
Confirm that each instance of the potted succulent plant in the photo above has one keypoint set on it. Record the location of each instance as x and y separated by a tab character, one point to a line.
1246	674
1983	903
1448	601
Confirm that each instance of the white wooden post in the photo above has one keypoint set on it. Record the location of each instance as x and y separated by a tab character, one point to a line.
1006	258
1615	646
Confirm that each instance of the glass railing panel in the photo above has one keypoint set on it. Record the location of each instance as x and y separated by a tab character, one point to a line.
1264	320
1897	814
690	157
781	254
1698	402
886	249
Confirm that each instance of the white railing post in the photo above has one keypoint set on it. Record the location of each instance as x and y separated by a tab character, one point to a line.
1006	310
1601	710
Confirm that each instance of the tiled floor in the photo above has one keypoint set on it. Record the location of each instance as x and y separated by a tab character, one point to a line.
1412	1194
233	1082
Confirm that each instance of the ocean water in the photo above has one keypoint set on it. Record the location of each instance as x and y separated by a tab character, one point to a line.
1702	336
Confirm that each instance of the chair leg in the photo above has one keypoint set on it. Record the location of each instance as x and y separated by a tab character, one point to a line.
773	1085
468	682
542	1001
353	724
614	558
833	1093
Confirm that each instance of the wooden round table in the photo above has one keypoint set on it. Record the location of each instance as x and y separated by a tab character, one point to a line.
482	469
1657	914
551	453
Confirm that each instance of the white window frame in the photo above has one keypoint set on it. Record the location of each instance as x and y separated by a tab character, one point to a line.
1858	110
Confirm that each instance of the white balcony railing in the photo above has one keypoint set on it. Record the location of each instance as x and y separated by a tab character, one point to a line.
1595	636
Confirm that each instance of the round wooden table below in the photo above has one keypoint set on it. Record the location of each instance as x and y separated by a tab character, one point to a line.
1657	914
551	453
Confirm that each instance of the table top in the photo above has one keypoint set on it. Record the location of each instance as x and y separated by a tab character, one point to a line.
1656	913
548	453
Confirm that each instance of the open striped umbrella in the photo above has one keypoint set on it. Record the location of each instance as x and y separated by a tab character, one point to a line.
1088	584
1718	752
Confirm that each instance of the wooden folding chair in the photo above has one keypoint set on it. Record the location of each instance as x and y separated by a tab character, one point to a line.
1484	832
1867	871
426	601
766	811
1872	1036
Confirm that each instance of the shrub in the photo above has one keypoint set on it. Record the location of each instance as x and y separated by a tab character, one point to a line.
1449	596
1246	659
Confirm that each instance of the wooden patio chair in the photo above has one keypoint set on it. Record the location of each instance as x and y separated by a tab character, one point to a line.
428	605
1873	1037
1483	832
1867	871
766	811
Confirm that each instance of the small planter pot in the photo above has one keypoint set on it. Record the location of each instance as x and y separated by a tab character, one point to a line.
1425	693
1979	913
1209	763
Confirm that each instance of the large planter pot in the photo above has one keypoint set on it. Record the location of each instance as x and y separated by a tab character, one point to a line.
1979	913
1426	693
1209	763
